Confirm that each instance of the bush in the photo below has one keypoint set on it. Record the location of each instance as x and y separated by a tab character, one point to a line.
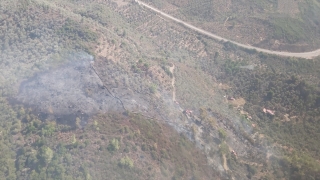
224	149
48	129
167	71
222	134
126	162
153	89
45	154
113	145
251	169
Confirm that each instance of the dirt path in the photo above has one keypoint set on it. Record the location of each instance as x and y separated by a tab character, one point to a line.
306	55
173	83
225	166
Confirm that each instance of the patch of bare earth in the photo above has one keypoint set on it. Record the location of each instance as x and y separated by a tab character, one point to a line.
225	166
238	102
288	7
224	86
121	3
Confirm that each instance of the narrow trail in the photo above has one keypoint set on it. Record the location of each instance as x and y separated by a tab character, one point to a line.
225	166
173	83
306	55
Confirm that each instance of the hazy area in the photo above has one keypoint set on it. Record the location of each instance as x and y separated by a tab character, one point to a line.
120	90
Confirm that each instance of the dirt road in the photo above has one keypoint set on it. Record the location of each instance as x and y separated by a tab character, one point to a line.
306	55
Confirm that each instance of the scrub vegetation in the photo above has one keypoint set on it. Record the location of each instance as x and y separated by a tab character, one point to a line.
156	100
275	24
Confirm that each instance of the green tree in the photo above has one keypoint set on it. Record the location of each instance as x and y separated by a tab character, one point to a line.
48	129
78	121
113	145
222	134
126	162
88	176
74	140
46	154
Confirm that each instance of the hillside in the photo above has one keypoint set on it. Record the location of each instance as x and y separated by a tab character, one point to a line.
276	24
111	90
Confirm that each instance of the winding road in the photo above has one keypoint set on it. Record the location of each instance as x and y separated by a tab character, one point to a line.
306	55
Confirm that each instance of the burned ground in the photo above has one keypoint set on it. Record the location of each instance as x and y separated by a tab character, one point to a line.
76	90
141	118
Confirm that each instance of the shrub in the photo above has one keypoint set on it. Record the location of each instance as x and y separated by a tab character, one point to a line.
252	170
222	134
126	162
153	89
224	149
113	145
46	154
